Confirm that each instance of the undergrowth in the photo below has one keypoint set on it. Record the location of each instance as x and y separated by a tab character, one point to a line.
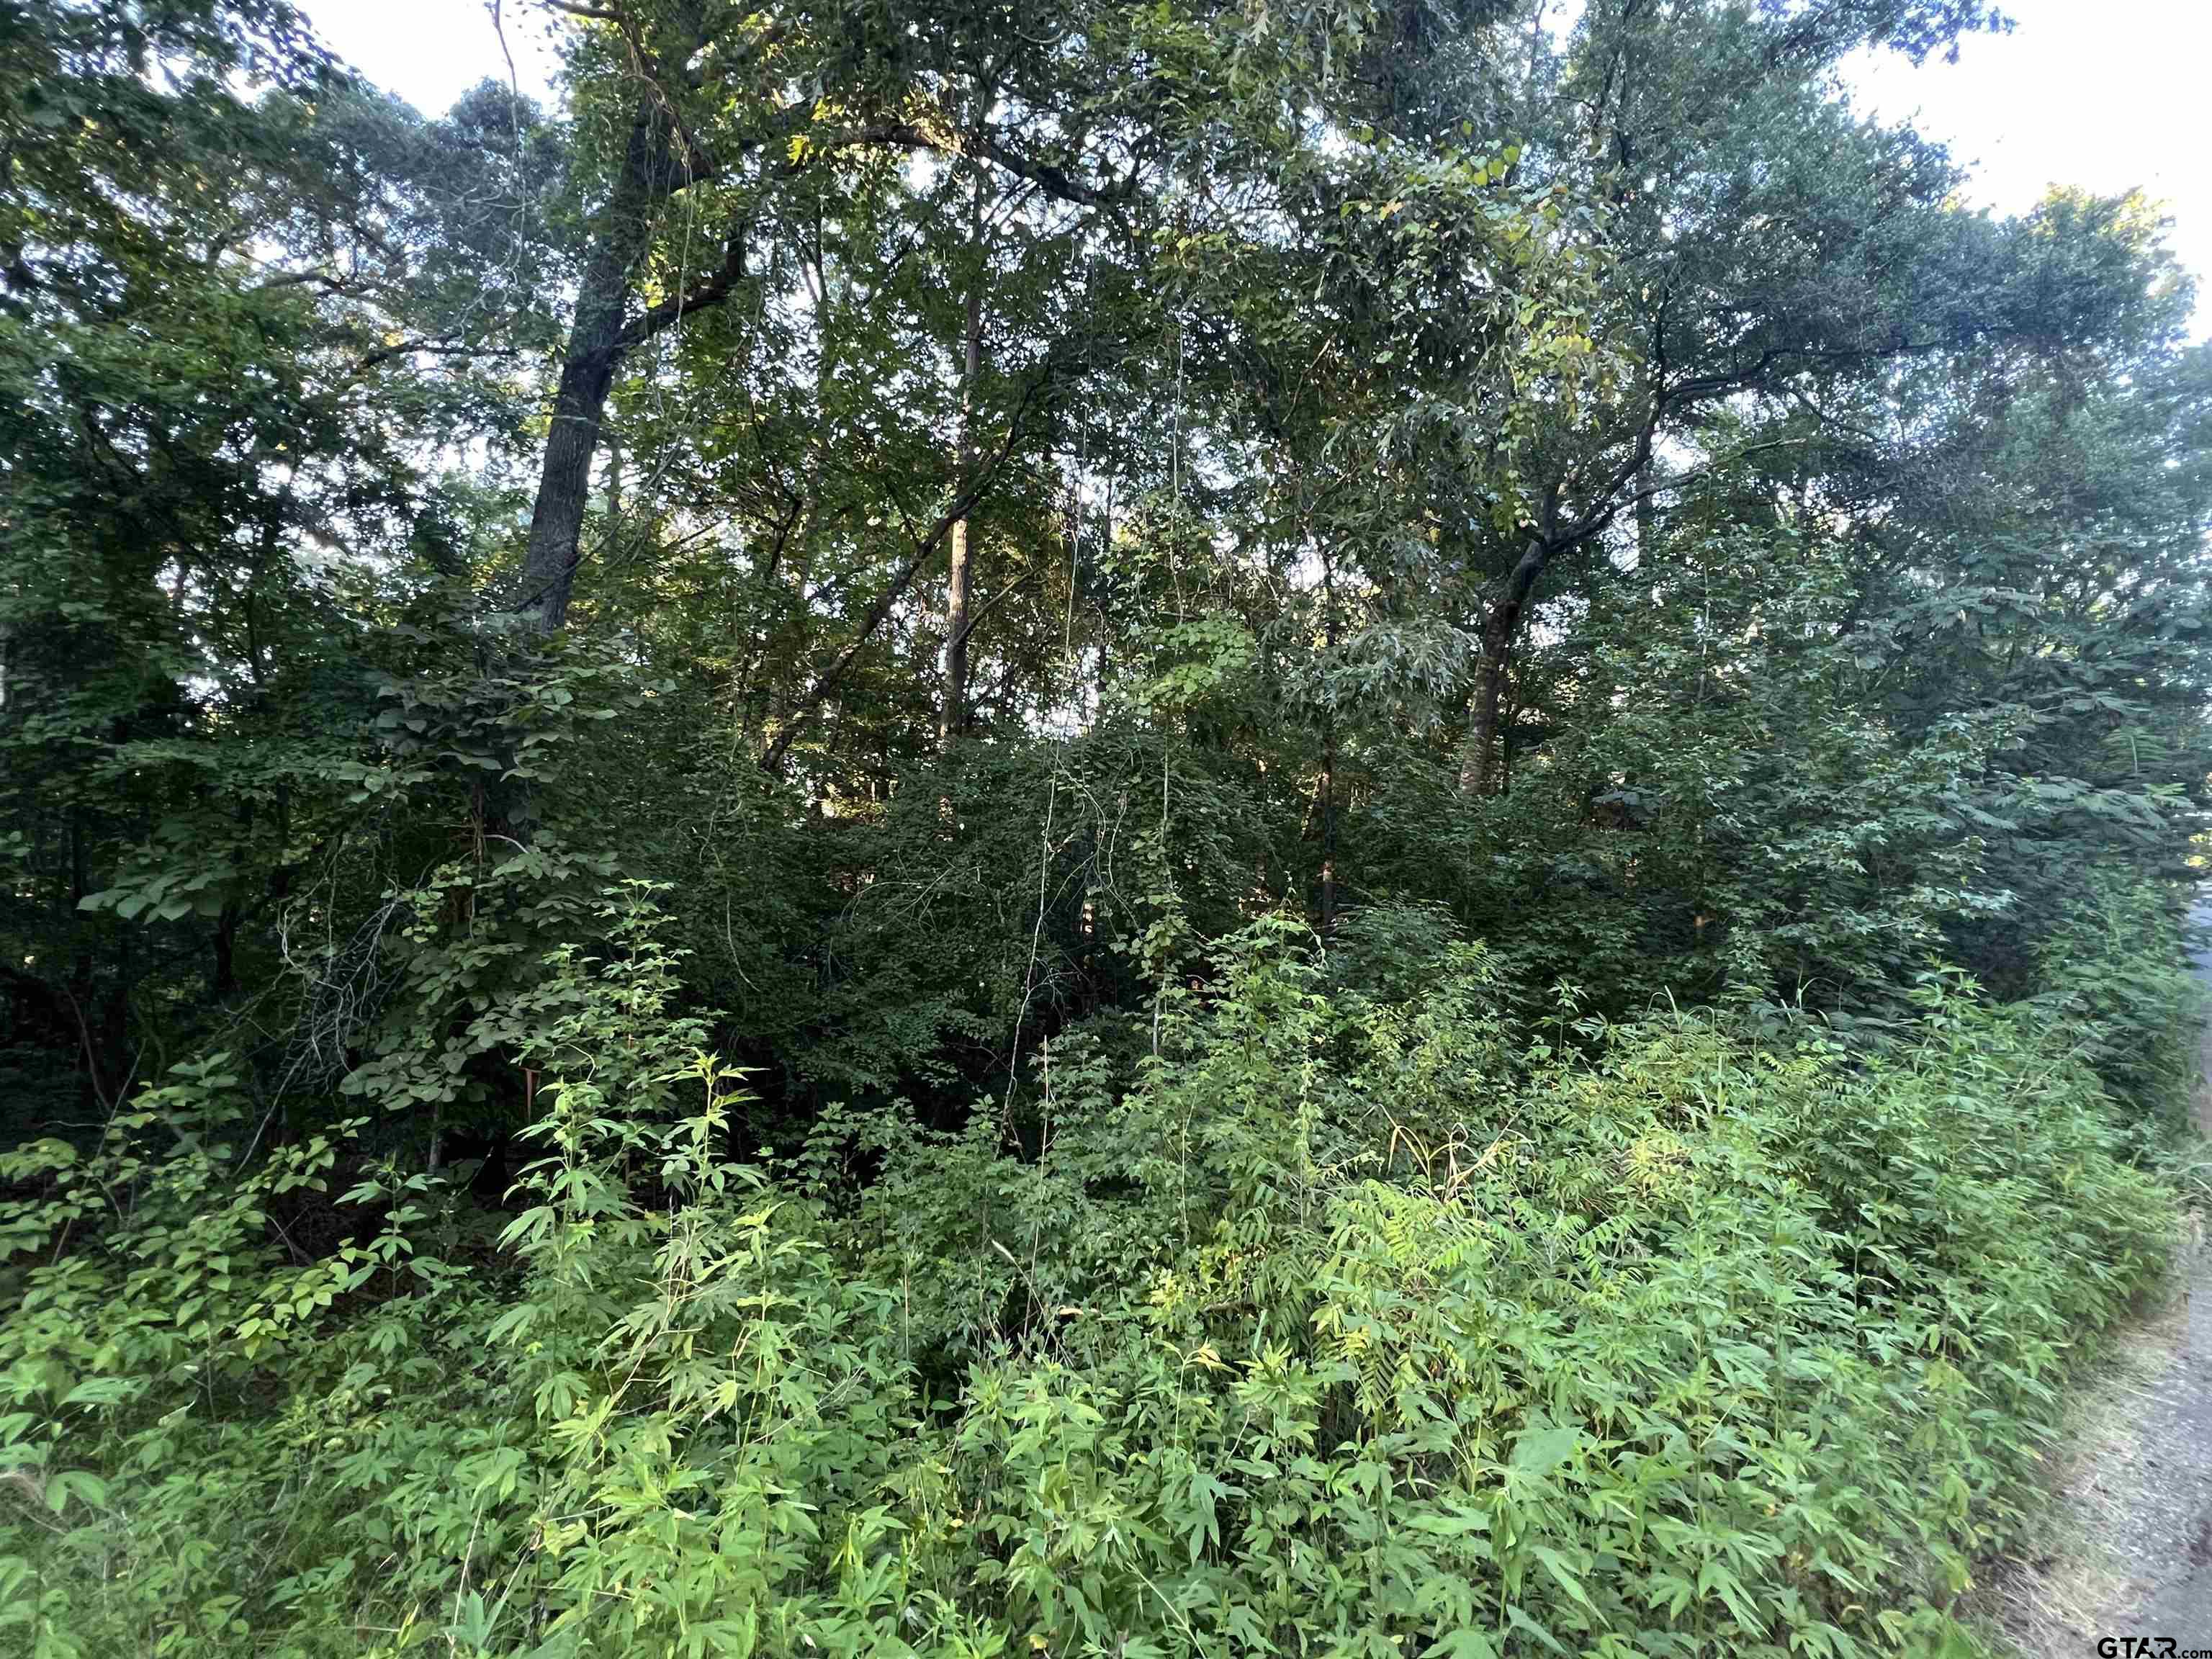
1317	1314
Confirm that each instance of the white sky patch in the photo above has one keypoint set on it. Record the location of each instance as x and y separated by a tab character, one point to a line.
2106	94
431	52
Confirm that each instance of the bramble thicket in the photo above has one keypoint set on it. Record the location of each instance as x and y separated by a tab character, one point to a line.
1348	828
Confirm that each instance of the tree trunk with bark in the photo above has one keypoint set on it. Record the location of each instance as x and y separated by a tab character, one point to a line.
1479	771
1328	761
588	369
960	588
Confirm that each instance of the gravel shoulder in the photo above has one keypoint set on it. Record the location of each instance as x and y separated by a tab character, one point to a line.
2126	1546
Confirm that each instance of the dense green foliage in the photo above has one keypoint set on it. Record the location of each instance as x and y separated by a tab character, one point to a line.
1084	828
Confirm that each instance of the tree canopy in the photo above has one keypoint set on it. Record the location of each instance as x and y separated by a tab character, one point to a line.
971	829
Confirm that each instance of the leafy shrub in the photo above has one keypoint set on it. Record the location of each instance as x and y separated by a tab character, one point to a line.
1332	1328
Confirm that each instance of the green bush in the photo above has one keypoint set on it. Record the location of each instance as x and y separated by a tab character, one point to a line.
1333	1328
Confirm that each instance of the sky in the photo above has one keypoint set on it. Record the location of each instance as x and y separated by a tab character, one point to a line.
430	52
2108	95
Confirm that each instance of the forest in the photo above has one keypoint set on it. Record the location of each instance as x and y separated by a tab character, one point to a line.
1083	828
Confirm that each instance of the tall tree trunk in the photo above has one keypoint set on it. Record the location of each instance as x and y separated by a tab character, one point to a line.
1478	763
1328	825
1646	521
1478	772
587	368
1328	760
960	586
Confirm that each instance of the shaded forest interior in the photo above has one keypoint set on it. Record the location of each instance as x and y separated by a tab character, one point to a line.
1083	827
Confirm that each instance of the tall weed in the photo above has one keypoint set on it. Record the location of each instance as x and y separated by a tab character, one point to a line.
1315	1317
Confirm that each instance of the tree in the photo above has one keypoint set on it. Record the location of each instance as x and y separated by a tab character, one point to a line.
1766	247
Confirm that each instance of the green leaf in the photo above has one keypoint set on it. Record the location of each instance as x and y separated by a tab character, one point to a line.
80	1484
1540	1450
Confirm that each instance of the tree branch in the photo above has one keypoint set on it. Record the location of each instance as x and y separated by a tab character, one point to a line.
710	291
925	549
985	609
982	146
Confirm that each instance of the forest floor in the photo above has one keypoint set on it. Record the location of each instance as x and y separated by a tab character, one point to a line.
2125	1547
